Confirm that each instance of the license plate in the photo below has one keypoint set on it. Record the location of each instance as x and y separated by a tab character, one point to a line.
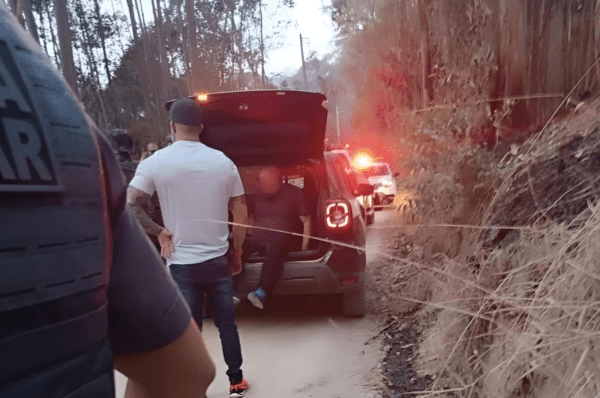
26	160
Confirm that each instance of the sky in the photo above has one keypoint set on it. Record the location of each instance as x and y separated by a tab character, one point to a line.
307	17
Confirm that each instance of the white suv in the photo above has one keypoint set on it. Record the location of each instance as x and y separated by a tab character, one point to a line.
382	178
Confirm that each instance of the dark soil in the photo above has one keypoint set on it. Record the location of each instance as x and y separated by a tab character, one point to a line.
557	187
397	289
401	341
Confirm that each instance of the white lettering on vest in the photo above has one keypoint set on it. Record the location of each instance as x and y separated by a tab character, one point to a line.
25	144
10	90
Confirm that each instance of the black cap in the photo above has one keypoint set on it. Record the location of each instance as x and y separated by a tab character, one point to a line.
186	111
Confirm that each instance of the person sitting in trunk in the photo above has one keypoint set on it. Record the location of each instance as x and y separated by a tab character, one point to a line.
276	210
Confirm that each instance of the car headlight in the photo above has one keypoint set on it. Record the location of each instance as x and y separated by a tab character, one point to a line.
385	183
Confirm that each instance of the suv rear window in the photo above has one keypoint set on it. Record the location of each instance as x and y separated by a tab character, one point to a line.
337	172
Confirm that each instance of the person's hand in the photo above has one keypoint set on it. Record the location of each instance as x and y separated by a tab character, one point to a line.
236	263
165	238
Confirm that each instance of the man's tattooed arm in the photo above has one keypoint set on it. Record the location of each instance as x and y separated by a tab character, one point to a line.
136	199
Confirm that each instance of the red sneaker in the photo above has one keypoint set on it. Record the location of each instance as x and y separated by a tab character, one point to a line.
239	389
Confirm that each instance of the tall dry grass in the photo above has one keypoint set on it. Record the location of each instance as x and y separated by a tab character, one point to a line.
531	328
519	320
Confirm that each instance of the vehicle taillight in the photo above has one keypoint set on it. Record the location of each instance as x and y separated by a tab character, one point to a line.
362	161
338	216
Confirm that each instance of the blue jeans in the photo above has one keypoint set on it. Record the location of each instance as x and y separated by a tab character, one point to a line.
213	279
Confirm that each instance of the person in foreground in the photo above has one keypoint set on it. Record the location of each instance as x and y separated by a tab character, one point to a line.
196	187
83	292
276	211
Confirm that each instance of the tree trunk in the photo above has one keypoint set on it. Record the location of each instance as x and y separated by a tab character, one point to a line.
597	37
17	9
102	40
193	43
164	60
262	46
156	86
139	57
588	45
240	46
141	17
91	59
118	28
161	86
233	41
425	53
53	37
43	30
184	53
29	18
64	39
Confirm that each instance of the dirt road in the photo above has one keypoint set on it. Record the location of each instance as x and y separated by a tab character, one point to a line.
302	348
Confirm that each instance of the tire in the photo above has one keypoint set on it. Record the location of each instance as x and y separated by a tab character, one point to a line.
355	302
371	219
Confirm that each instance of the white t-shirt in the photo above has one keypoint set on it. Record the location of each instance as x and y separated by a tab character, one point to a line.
194	184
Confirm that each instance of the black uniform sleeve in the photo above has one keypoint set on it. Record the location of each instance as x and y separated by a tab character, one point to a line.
146	310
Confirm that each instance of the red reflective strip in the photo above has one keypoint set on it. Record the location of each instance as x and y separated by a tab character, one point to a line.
349	280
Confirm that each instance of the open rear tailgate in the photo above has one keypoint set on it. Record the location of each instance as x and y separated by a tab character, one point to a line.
264	127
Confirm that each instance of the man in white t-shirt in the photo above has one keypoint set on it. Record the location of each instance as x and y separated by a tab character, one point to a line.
196	187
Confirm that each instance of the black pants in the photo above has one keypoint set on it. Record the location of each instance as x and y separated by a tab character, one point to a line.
275	250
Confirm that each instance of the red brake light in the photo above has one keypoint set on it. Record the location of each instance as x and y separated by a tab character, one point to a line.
338	216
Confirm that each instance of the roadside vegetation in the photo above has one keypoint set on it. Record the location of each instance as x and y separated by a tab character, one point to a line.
490	111
124	62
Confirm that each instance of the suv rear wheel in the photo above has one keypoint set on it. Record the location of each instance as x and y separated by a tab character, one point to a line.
354	302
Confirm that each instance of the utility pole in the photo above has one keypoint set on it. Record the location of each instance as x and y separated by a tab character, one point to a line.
303	63
337	118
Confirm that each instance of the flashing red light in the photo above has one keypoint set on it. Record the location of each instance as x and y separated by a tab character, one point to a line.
362	161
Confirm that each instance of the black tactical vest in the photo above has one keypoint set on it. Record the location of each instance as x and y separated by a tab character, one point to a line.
55	238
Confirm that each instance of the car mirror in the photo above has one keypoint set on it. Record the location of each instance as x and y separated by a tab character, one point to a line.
396	174
365	190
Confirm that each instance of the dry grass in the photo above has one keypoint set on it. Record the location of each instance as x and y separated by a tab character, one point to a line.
520	319
535	333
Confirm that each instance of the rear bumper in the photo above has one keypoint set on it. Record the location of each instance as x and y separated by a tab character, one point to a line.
306	277
385	191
